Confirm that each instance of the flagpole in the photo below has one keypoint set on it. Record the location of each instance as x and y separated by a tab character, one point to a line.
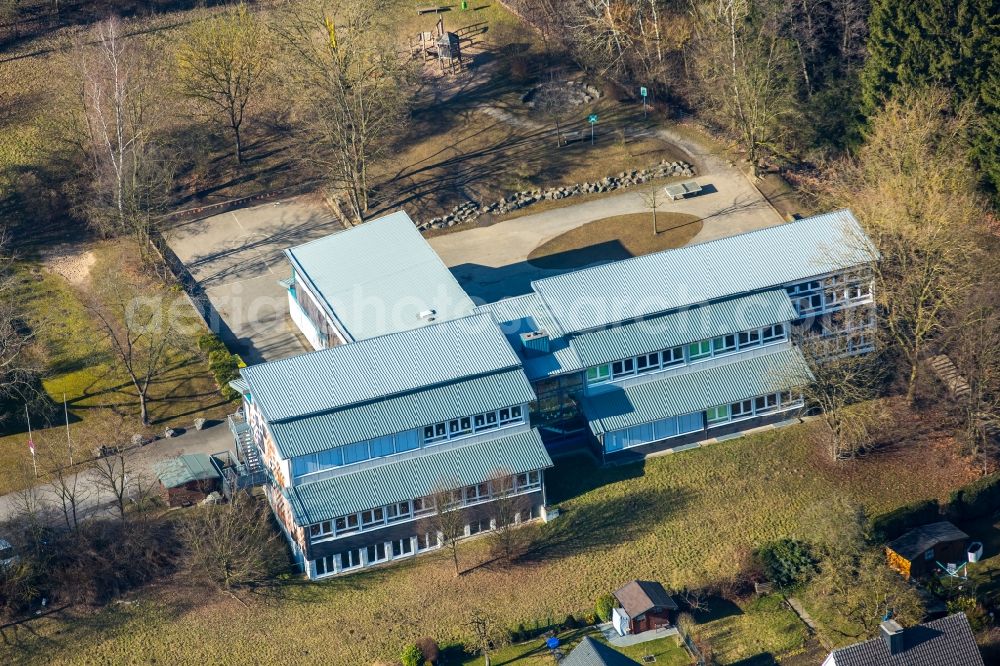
69	442
31	444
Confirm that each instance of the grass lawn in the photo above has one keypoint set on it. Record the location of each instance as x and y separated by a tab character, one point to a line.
614	238
668	651
681	519
80	365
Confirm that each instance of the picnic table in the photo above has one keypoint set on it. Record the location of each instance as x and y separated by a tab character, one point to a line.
681	190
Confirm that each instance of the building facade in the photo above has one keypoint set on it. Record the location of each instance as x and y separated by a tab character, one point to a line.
670	349
419	401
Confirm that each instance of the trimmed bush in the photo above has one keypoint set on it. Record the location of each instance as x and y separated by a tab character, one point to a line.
787	562
603	607
411	656
977	499
210	342
890	525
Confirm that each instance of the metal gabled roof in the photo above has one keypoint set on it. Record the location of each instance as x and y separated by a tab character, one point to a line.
420	476
526	311
176	472
745	263
688	392
393	415
521	314
378	277
379	367
701	322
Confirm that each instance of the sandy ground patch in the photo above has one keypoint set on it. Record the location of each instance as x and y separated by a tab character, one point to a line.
72	263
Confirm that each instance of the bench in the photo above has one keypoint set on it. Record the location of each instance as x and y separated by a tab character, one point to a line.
681	190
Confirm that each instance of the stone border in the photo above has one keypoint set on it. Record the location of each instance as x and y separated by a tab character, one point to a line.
470	210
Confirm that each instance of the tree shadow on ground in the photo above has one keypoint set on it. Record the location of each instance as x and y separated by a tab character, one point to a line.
762	659
596	525
715	608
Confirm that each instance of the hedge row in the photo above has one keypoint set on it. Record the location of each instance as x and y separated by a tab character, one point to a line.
225	367
978	499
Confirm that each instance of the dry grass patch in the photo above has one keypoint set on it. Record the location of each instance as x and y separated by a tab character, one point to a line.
682	519
614	238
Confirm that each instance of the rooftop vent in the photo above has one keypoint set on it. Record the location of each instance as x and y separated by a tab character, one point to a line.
428	315
892	634
536	341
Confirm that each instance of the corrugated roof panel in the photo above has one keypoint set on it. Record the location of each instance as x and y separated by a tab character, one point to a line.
417	477
749	262
312	434
680	327
527	313
378	277
695	391
379	367
527	310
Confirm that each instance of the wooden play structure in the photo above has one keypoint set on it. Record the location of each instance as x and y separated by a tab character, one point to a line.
439	44
443	45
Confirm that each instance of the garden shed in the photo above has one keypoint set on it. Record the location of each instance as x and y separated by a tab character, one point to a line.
643	606
187	479
917	552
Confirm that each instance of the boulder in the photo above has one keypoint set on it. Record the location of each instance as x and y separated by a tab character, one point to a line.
170	432
213	498
199	424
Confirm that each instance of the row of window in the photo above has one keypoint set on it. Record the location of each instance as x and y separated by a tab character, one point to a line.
422	506
357	452
469	425
817	296
653	432
385	551
680	425
375	553
692	353
406	441
759	406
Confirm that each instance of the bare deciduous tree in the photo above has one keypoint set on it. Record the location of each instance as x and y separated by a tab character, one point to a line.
842	383
231	545
654	197
508	509
447	521
17	365
222	63
342	63
742	68
141	333
975	350
913	189
488	632
860	590
129	172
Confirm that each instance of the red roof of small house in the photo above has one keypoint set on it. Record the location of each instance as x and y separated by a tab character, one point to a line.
641	596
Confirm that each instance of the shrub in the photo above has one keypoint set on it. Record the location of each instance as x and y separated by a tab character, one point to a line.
787	562
210	342
890	525
603	607
429	649
570	622
225	367
590	619
977	499
411	656
978	618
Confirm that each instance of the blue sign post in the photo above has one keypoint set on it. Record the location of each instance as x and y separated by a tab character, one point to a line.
592	119
644	93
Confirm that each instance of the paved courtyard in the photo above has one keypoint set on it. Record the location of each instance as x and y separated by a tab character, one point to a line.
491	262
237	259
